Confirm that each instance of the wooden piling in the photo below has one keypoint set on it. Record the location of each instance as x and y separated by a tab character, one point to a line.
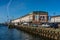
49	33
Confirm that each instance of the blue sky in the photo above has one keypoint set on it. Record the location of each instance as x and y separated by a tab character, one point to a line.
17	8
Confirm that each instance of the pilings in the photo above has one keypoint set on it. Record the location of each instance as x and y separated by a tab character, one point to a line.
45	32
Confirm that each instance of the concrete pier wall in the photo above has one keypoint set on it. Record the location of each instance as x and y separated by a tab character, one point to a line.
45	32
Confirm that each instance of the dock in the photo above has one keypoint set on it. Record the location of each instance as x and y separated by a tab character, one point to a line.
50	33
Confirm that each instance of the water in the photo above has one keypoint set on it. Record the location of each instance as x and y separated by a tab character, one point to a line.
14	34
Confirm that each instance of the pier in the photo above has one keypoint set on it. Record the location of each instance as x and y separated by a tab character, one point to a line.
50	33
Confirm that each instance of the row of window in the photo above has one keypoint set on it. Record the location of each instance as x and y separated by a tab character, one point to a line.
37	17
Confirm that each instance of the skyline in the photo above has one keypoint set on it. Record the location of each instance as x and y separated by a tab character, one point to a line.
18	8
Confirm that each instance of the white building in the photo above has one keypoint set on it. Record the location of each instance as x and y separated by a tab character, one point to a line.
55	18
26	18
33	17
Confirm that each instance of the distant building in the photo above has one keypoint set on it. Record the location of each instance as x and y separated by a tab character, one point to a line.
55	18
36	17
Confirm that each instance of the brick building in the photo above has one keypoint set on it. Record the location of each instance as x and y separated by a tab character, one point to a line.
40	17
35	17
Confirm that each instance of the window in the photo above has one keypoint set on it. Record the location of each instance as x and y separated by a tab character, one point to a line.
37	17
42	18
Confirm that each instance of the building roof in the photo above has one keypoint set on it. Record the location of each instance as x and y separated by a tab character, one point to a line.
34	12
21	17
56	16
40	12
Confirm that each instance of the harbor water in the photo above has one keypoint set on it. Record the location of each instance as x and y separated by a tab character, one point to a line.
15	34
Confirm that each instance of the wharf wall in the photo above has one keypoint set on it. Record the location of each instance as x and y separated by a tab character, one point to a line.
45	32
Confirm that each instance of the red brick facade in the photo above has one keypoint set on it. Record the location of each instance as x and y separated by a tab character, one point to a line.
42	17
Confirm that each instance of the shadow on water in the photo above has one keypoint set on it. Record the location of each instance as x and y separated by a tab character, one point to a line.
15	34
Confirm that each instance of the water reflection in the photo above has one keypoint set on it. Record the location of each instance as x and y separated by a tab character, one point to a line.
14	34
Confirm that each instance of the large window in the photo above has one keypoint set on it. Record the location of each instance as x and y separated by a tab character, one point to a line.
37	17
42	18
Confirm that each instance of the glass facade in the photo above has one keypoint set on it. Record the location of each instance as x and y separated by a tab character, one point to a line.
37	17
